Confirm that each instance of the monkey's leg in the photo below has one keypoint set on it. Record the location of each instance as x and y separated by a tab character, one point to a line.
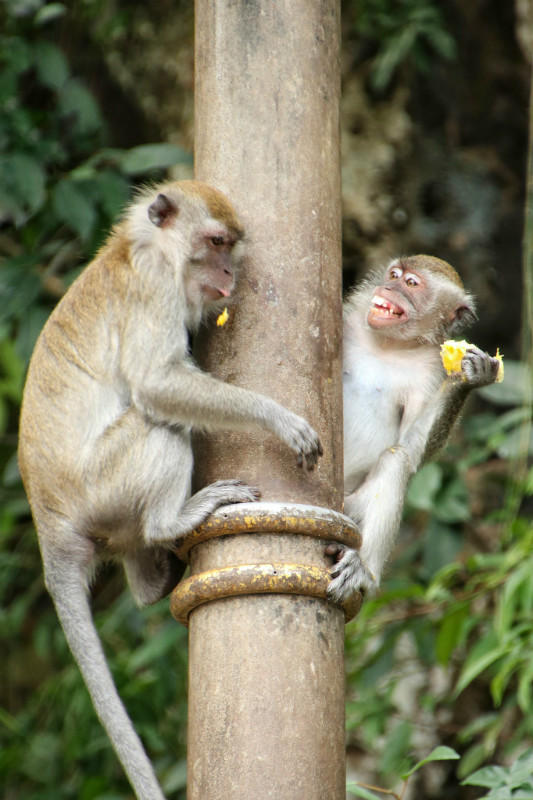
140	474
377	507
152	573
162	526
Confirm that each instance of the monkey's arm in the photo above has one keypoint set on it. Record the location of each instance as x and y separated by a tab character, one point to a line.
183	394
477	369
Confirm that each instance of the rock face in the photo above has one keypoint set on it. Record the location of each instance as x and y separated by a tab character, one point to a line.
432	162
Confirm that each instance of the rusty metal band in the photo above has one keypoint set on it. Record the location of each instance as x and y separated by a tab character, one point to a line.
296	518
246	579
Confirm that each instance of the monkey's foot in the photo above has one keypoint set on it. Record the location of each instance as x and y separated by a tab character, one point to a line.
349	574
225	492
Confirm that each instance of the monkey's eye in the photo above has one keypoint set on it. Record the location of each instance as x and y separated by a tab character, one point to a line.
217	240
396	272
412	281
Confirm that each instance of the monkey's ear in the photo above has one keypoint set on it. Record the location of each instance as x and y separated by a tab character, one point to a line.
162	211
463	316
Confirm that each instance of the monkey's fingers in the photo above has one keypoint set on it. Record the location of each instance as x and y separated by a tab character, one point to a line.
311	457
349	574
302	439
479	368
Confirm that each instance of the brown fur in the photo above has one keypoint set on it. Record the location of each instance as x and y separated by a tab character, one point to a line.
432	264
110	400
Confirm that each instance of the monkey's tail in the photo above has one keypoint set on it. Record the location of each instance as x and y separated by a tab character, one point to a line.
66	583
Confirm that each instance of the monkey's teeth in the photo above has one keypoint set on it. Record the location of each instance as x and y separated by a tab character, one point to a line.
384	307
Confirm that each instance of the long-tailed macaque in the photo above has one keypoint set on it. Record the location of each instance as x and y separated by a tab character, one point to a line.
109	404
399	405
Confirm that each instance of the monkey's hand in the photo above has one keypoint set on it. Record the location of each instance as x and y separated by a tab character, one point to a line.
478	368
349	574
300	437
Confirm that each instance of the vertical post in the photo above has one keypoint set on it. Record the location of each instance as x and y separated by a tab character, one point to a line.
266	675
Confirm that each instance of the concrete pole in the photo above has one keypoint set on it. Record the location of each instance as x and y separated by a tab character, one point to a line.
266	675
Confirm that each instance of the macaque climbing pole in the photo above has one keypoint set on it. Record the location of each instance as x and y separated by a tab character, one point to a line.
266	674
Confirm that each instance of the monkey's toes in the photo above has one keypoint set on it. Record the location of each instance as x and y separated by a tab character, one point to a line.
246	494
335	550
235	490
349	574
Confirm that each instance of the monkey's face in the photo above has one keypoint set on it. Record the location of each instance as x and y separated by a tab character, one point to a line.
213	268
419	300
402	294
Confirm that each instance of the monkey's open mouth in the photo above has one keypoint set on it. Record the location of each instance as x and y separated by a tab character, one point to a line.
383	310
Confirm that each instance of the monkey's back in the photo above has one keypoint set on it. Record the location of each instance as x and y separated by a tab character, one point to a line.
73	389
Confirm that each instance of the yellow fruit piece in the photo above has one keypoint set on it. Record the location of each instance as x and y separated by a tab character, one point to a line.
499	359
222	318
452	354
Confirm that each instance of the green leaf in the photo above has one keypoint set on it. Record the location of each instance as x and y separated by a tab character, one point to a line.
360	791
525	688
474	757
29	327
510	598
424	487
452	633
395	753
488	650
77	102
516	388
441	545
11	474
516	444
521	772
452	502
22	183
114	192
154	648
73	208
152	156
51	64
19	286
440	753
490	777
49	12
175	778
506	670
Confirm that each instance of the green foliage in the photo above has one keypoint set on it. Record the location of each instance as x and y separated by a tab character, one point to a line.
440	753
506	783
404	32
61	187
465	613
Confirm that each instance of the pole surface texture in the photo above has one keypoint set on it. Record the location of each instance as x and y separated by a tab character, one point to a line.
266	673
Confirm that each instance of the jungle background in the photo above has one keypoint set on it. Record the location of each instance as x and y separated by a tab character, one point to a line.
96	96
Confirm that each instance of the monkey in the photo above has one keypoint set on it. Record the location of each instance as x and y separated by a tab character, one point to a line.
399	405
110	400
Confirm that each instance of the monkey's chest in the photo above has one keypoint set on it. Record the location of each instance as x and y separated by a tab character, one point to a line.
373	411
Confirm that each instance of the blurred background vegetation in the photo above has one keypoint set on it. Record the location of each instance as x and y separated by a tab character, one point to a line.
95	98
